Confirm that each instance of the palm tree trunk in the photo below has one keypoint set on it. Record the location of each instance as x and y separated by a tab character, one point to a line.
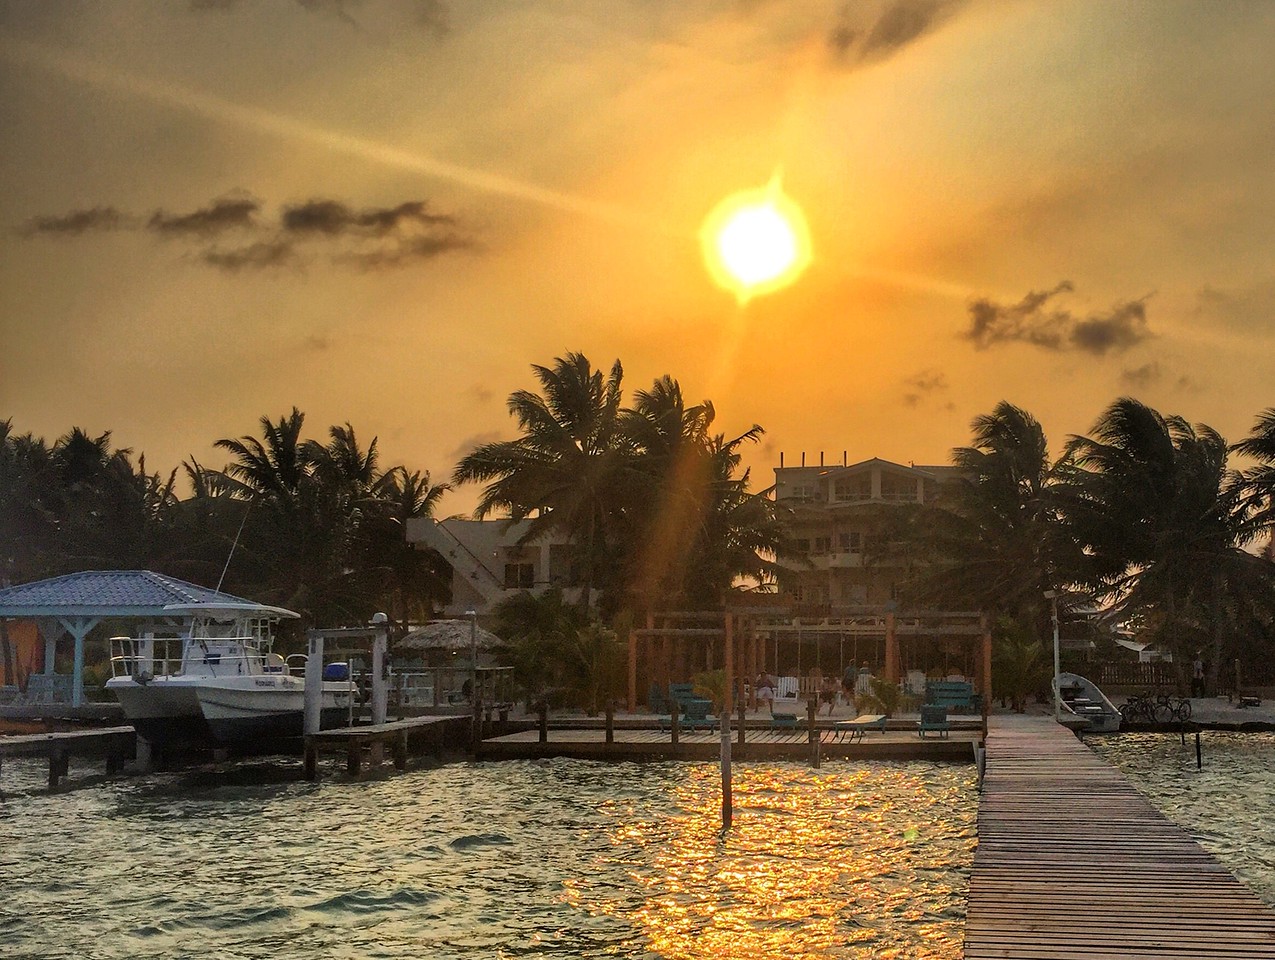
1219	627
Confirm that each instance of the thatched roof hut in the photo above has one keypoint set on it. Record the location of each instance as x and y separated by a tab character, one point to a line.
453	636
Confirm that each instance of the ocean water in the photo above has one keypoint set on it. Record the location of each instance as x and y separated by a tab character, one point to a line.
1226	804
555	858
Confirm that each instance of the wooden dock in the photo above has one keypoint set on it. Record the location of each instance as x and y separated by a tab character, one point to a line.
784	744
1073	863
116	744
423	734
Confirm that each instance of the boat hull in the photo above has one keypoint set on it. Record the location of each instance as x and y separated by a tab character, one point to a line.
162	710
264	708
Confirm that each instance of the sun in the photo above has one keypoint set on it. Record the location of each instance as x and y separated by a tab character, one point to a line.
756	241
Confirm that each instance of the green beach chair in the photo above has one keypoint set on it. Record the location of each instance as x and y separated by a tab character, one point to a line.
933	720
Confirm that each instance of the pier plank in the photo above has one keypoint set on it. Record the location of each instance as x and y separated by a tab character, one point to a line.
1074	864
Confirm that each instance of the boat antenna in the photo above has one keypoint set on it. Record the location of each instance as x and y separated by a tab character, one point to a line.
238	533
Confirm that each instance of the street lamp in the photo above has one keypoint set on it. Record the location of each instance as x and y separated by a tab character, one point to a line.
1052	597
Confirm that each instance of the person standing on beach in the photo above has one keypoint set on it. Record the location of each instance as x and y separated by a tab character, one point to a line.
1197	676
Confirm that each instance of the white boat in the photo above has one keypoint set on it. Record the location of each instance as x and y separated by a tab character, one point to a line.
218	683
1082	698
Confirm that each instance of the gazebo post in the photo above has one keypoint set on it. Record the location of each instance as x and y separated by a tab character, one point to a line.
52	630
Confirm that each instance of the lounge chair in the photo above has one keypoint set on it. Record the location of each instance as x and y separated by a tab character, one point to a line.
697	716
933	718
859	725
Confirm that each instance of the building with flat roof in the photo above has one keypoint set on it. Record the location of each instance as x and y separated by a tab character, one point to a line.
838	513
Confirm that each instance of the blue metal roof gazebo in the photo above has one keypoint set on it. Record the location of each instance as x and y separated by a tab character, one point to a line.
74	604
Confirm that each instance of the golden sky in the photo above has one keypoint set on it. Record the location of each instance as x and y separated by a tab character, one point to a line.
384	211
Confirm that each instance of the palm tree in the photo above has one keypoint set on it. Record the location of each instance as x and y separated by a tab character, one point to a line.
417	575
562	472
996	539
1166	522
1260	480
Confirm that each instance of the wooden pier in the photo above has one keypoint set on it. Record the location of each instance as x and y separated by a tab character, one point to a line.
795	743
1073	863
420	734
116	744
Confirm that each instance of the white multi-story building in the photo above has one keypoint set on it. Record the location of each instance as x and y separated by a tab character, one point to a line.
838	512
489	564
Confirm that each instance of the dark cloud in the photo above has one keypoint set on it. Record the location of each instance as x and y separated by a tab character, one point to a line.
900	23
373	238
470	444
1035	321
75	223
481	392
227	214
333	217
923	384
404	252
263	255
1122	328
1143	376
316	343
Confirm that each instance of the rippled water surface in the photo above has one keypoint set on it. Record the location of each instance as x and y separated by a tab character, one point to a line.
1226	805
552	858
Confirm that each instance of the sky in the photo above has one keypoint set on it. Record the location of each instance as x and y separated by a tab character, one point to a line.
385	211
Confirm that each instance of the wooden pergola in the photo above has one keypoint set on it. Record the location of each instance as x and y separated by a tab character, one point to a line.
674	645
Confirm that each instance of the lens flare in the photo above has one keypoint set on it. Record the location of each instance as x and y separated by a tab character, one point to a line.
756	241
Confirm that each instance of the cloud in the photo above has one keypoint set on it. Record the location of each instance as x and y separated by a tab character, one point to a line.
481	392
1124	327
432	16
371	238
333	217
1247	310
316	343
899	24
1036	321
225	214
75	223
922	384
262	255
1143	376
470	444
404	252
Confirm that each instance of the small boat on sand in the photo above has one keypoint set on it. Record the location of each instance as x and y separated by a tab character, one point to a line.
1082	697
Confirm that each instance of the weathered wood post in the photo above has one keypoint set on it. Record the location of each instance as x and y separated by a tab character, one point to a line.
543	708
59	766
610	722
729	657
743	715
353	757
812	729
676	727
400	751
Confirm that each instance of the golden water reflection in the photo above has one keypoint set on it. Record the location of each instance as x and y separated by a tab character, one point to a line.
849	860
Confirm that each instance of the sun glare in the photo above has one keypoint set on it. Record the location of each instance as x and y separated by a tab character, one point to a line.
756	241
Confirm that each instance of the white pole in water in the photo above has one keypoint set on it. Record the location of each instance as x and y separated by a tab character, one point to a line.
380	645
313	683
1052	597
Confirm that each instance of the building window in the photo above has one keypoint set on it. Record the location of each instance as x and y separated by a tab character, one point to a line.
823	545
803	544
851	541
852	488
520	576
799	594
